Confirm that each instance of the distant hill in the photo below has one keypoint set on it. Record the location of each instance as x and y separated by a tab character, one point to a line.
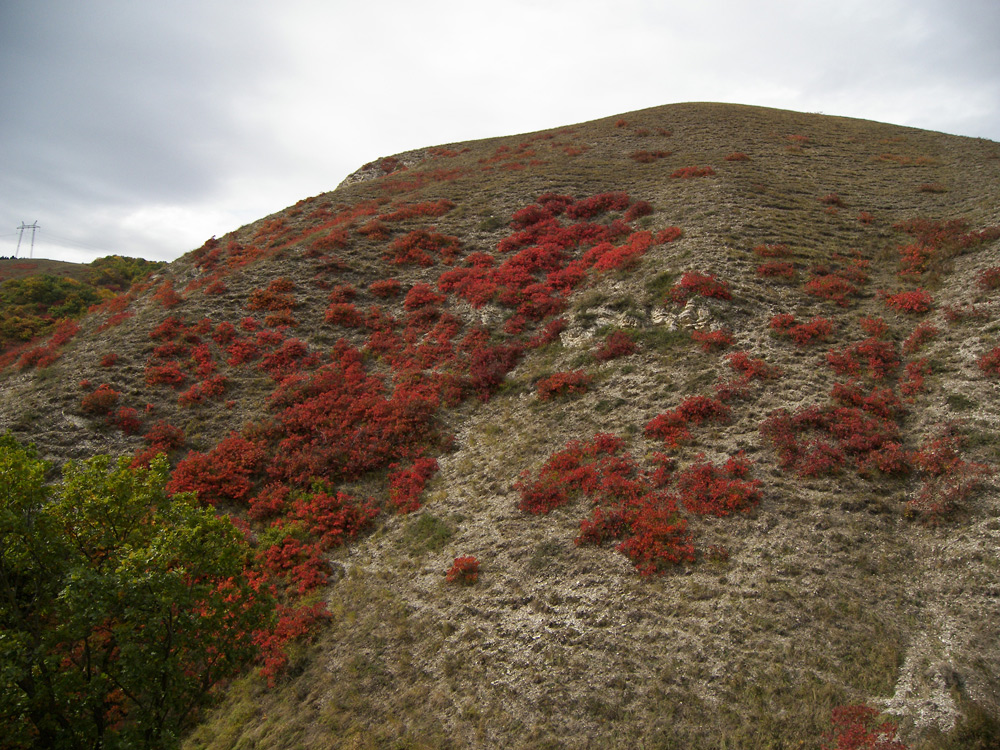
36	294
709	393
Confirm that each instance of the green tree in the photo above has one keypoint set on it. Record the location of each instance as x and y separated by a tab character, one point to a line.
122	610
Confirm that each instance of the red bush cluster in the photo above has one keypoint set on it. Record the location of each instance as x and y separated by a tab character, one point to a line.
708	489
406	485
672	426
916	301
935	241
947	479
276	297
752	368
45	354
385	288
837	282
628	505
879	357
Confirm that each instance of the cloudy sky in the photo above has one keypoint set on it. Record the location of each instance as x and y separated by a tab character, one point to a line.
142	128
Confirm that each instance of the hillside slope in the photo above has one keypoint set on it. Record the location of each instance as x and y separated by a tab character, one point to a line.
797	510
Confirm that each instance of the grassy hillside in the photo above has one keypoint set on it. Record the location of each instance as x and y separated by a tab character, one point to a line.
709	392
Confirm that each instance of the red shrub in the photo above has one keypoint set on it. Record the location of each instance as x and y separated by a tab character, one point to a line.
169	373
772	251
548	334
385	288
658	539
276	297
830	286
335	240
414	210
374	230
920	336
109	359
917	301
100	401
989	362
668	234
489	364
776	270
464	570
705	285
647	157
166	295
637	210
207	389
880	357
916	372
616	344
241	351
752	368
126	419
672	426
293	623
563	384
803	334
989	279
217	287
713	340
874	327
685	173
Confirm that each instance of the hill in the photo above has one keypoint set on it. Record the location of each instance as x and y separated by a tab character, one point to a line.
709	393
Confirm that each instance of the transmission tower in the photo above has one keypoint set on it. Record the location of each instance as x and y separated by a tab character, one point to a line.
33	226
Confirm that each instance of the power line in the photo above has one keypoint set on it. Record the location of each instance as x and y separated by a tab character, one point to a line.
33	226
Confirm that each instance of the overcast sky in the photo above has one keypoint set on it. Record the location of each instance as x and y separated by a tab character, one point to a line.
143	127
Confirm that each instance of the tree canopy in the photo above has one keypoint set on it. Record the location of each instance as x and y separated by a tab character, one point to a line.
122	610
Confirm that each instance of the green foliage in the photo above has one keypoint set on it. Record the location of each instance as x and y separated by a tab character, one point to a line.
117	273
30	305
122	610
